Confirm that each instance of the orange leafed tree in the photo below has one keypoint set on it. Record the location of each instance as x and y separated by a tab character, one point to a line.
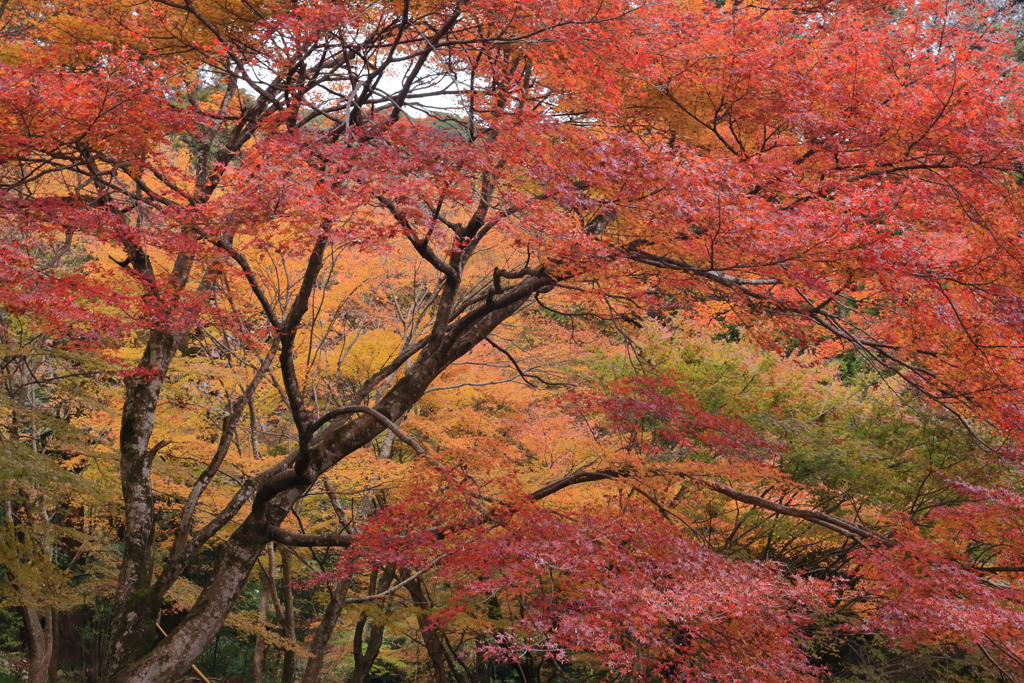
244	176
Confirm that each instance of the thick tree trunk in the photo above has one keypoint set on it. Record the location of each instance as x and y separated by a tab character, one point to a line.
133	627
185	643
42	651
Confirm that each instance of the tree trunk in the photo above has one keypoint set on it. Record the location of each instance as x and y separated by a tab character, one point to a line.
41	646
259	652
184	644
133	627
322	639
288	666
53	622
479	672
431	639
281	613
364	659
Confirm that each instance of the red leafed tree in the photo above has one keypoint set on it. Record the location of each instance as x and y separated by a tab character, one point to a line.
828	169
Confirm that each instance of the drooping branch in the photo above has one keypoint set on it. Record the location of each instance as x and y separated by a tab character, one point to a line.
578	477
380	417
837	524
515	363
640	256
831	522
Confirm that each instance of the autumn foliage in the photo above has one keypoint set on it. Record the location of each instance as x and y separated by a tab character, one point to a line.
575	339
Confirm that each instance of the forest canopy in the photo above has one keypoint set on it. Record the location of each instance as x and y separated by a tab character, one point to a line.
511	340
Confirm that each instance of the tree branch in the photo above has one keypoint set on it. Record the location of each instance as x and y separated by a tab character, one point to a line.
279	535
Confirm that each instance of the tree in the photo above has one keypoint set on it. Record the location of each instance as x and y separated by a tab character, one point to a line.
54	512
834	169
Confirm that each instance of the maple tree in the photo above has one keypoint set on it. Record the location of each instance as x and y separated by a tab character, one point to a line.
286	239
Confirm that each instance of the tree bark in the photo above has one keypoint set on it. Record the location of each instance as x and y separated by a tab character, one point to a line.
364	659
53	622
288	666
184	644
324	632
431	639
41	645
135	610
259	652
